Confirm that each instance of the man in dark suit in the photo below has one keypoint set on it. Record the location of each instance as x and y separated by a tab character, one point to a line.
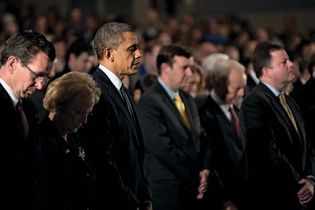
279	161
26	59
220	122
112	137
176	174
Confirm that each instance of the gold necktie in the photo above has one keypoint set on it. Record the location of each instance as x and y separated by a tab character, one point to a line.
288	110
181	108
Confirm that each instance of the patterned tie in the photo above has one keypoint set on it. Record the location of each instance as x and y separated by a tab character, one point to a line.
23	119
181	108
235	120
288	110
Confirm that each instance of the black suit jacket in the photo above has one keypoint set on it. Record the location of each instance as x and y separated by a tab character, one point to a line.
114	148
65	178
278	156
17	156
227	149
172	160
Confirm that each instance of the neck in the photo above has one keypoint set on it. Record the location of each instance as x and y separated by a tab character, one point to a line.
110	66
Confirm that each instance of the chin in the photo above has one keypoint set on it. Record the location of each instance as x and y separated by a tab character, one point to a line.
133	71
27	94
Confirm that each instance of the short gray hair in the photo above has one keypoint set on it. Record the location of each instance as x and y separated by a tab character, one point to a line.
110	36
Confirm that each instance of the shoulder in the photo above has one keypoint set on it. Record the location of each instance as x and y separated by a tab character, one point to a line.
257	94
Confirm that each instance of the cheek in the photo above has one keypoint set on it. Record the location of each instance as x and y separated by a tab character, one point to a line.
81	120
70	121
231	95
228	98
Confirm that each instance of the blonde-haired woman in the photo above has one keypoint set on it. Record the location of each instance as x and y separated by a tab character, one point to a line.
65	178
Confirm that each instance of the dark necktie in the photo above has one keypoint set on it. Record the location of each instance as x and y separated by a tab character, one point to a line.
123	92
288	110
235	120
23	119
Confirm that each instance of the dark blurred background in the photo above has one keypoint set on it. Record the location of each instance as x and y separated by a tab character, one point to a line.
267	13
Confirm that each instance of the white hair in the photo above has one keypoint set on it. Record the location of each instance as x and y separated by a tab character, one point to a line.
209	62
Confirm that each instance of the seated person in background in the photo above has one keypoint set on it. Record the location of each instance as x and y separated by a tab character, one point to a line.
142	85
195	85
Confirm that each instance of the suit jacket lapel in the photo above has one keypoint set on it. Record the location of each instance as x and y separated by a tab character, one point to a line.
133	120
9	112
169	103
187	109
283	117
298	119
116	98
224	122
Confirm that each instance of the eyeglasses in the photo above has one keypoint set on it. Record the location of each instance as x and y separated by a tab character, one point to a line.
34	74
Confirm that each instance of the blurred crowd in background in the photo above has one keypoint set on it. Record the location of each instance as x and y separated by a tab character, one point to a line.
227	36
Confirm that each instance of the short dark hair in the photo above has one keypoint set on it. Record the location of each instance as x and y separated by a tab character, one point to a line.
261	57
145	82
167	53
110	36
26	45
78	47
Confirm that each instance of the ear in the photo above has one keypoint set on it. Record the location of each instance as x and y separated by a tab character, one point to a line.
12	63
108	54
165	67
71	56
265	71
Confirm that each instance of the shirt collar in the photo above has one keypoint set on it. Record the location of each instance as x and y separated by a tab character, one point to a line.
272	89
171	93
112	77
